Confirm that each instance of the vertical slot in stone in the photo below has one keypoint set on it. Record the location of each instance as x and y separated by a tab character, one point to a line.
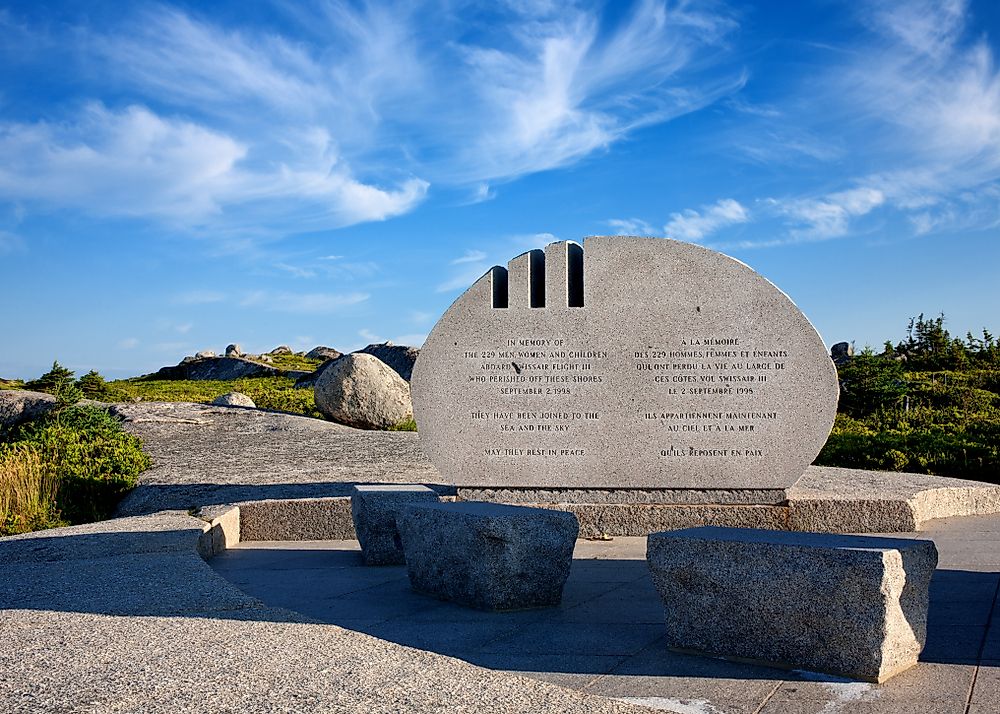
536	278
499	279
574	274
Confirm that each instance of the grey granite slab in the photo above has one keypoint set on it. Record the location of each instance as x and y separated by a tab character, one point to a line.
629	363
849	605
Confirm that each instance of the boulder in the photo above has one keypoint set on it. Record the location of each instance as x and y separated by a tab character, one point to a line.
234	350
204	354
842	352
18	406
360	390
854	606
399	357
282	350
487	555
323	353
234	399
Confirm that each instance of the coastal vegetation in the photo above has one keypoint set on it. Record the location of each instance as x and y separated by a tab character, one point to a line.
927	404
72	465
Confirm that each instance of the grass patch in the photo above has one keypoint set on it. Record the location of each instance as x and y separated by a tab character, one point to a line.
28	489
295	362
277	393
406	425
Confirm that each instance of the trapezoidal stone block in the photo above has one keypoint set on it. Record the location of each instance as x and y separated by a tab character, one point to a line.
374	510
855	606
486	555
628	363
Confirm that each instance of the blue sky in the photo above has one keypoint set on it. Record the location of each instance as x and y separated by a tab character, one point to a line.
175	177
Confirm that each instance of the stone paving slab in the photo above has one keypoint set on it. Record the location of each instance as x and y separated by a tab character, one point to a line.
606	638
151	628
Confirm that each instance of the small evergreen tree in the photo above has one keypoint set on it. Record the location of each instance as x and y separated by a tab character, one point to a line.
58	382
92	385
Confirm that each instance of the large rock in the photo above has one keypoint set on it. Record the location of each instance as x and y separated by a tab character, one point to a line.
234	350
848	605
841	353
282	350
486	555
374	509
400	357
324	353
205	354
17	407
361	391
234	399
220	368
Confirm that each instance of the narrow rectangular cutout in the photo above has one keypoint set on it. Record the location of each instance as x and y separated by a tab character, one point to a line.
574	275
536	278
498	277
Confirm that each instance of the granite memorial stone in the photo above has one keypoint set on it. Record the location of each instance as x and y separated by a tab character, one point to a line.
626	363
488	556
374	509
848	605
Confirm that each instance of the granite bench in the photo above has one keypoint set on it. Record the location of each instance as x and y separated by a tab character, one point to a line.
854	606
488	556
374	509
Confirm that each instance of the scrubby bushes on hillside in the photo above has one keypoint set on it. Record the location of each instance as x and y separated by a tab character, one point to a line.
929	404
73	465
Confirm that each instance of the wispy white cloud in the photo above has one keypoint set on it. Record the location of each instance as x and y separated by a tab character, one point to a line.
692	225
565	90
311	303
828	216
471	256
295	270
134	162
128	343
632	227
233	128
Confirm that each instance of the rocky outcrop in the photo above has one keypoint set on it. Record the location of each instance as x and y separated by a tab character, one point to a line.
222	368
282	350
18	406
205	354
841	353
234	350
234	399
323	353
400	357
360	390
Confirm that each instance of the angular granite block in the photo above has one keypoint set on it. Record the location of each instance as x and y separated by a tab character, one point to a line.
374	510
848	605
488	556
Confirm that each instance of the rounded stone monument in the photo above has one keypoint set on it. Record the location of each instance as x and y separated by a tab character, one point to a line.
628	363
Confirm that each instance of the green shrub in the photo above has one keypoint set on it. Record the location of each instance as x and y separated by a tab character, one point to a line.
96	461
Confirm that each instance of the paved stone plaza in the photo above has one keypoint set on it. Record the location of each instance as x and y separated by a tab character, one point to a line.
607	636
